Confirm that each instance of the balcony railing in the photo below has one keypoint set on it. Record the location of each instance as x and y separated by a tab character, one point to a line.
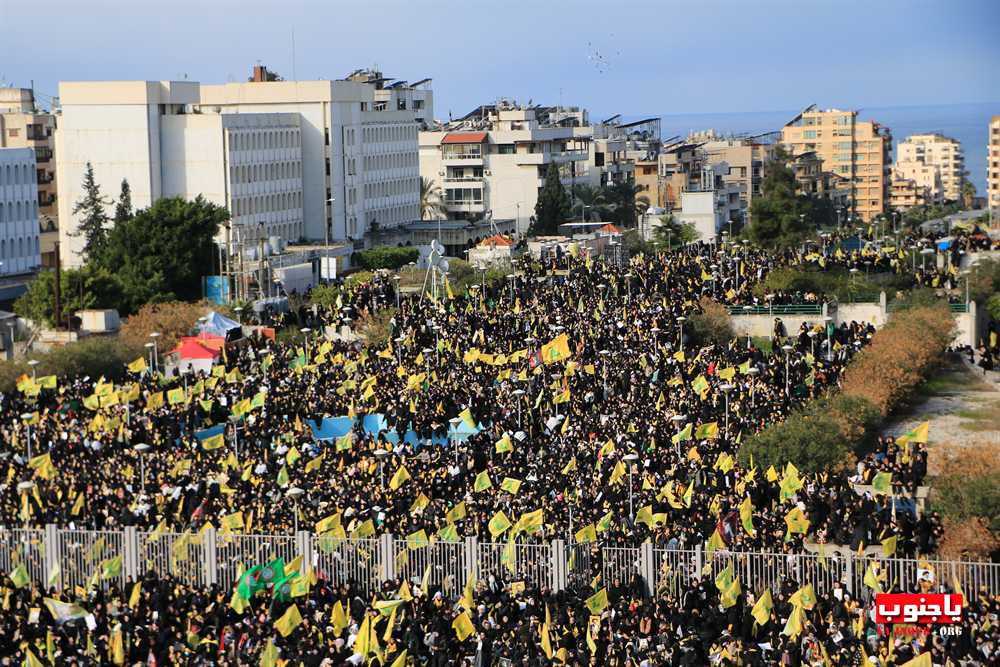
43	153
462	156
463	179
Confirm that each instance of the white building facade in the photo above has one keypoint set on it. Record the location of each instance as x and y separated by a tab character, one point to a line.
19	235
360	170
301	160
496	162
936	152
713	204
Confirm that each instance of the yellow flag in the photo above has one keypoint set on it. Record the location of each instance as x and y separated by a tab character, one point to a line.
399	477
338	618
546	641
463	626
597	602
133	600
289	621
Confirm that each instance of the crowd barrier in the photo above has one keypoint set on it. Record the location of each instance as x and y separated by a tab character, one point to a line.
212	558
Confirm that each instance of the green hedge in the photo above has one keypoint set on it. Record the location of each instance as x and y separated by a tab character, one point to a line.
92	357
385	257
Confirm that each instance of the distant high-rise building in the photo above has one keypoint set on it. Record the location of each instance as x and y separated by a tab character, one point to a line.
993	165
853	149
939	153
24	125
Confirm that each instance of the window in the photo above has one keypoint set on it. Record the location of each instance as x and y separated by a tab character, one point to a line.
809	134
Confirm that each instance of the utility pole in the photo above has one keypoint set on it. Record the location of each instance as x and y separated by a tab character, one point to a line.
58	304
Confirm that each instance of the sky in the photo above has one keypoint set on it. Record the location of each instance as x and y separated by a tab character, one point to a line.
635	57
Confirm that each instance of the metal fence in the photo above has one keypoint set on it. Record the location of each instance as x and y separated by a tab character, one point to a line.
782	309
211	558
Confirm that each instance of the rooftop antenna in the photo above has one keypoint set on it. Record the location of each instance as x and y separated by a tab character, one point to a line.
294	75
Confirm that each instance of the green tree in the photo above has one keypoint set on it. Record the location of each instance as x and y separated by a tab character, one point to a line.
811	441
589	202
553	206
87	287
431	204
626	203
123	208
778	215
93	226
670	233
161	253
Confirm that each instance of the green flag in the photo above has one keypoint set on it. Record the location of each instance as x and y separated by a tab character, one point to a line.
273	571
249	583
20	577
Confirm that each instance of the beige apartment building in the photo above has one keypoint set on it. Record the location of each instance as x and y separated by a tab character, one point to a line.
933	152
24	125
993	165
853	149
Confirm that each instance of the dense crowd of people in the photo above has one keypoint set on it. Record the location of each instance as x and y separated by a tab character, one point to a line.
579	400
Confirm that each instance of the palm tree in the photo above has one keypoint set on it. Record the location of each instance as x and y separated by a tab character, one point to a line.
627	203
588	200
431	200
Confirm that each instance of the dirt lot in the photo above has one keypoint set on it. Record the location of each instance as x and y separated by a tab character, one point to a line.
963	408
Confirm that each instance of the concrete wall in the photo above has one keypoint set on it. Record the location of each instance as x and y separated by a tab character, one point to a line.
970	327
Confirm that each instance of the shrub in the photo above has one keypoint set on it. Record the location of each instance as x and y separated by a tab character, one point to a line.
385	257
968	539
172	319
376	328
900	356
92	357
970	486
856	418
712	324
810	440
357	278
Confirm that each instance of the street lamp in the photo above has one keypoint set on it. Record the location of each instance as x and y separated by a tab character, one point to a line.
604	370
156	351
149	350
829	337
142	448
33	363
395	278
680	321
27	418
512	278
294	493
239	314
399	348
380	454
305	338
788	354
678	420
812	342
726	388
631	458
752	372
746	311
519	393
455	421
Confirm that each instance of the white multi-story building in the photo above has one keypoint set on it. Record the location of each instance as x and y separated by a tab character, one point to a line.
151	134
301	160
19	244
360	171
713	203
935	151
496	159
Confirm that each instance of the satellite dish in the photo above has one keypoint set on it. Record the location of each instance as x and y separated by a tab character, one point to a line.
443	265
437	247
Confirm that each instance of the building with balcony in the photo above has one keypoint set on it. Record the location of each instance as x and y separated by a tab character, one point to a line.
852	149
993	164
906	193
711	203
935	152
926	180
20	250
24	125
494	160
